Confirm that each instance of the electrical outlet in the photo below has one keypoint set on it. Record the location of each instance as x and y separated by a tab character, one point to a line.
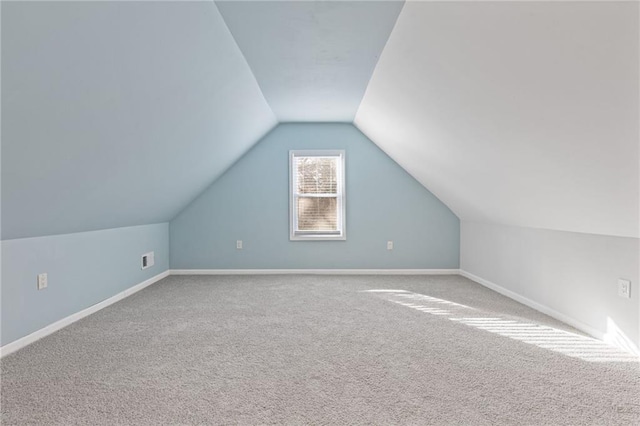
239	244
389	245
42	281
624	288
148	260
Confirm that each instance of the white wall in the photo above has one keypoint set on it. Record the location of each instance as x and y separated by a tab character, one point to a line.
570	275
521	113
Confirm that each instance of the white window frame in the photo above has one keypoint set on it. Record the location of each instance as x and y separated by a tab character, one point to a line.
294	233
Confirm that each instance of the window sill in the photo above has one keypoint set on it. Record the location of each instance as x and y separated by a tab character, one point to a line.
318	237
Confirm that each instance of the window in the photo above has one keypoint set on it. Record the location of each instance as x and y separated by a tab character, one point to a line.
317	195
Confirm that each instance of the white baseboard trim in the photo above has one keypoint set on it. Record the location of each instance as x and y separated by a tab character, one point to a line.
315	271
610	338
52	328
24	341
535	305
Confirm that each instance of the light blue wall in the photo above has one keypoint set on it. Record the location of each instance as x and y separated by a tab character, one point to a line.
83	269
118	113
250	202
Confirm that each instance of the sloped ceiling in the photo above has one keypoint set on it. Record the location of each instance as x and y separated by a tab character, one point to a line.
312	59
118	113
521	113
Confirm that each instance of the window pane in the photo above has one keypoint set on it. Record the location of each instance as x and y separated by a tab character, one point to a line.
316	175
317	214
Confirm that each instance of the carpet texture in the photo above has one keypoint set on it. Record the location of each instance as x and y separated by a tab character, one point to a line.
319	350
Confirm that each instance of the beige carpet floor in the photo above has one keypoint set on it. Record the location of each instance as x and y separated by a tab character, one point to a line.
386	350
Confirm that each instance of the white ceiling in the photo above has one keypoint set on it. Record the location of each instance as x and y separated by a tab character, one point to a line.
521	113
313	60
120	113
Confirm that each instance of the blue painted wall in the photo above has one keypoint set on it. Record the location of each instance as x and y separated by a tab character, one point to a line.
83	269
118	113
250	202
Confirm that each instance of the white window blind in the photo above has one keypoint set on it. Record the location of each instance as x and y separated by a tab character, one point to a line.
317	195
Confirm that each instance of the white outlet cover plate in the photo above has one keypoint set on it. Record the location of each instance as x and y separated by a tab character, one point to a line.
624	288
42	281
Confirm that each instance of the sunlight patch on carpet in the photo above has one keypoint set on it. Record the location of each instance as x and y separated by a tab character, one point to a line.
553	339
